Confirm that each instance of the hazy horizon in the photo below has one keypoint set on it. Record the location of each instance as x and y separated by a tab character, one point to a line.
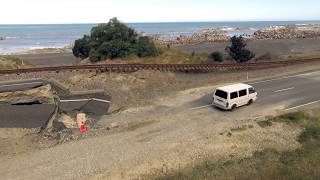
155	11
168	22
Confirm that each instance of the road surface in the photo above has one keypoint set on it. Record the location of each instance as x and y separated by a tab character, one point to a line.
285	93
94	104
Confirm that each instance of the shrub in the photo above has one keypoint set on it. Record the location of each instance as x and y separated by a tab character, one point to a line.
145	47
310	133
113	40
81	48
238	50
294	117
113	49
216	56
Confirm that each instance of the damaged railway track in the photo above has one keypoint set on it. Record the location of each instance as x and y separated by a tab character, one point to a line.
186	68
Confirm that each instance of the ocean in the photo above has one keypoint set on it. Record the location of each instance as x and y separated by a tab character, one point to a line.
18	38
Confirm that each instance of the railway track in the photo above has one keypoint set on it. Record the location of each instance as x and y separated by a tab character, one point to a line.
123	68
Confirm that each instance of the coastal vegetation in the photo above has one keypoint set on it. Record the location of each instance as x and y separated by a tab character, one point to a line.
216	56
113	40
238	50
302	163
8	62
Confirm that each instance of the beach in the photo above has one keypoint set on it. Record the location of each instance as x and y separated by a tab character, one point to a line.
277	48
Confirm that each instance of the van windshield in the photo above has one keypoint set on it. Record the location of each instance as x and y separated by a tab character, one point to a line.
221	94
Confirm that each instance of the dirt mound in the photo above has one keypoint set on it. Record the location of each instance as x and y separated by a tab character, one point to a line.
41	95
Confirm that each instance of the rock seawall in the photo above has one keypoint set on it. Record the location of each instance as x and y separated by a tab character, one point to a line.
288	32
218	35
205	35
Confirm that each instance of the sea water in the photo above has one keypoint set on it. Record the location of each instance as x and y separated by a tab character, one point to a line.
19	38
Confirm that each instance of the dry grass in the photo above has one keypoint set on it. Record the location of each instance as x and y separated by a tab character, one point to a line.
303	163
167	56
7	62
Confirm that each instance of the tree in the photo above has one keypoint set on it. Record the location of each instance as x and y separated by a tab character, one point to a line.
238	50
81	48
145	47
113	40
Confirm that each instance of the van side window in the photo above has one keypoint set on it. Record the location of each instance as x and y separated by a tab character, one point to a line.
243	93
252	90
234	95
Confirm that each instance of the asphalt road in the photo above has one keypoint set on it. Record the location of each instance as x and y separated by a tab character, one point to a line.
36	115
289	92
25	116
285	93
23	85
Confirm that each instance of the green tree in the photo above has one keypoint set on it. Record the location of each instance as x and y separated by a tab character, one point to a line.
81	48
113	40
238	50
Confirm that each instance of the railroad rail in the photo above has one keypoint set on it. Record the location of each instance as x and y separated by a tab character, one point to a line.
123	68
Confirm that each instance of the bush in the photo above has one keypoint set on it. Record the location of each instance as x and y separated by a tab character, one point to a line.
216	56
113	40
81	48
145	47
310	133
238	51
294	117
113	49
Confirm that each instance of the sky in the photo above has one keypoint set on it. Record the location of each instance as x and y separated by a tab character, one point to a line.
99	11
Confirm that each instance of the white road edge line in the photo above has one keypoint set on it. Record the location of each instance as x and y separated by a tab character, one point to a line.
307	104
284	77
80	100
20	84
201	107
287	89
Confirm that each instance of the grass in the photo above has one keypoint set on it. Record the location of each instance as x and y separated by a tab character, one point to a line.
167	56
172	56
311	124
300	164
7	62
264	124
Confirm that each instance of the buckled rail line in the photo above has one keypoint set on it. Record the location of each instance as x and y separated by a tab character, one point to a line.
192	68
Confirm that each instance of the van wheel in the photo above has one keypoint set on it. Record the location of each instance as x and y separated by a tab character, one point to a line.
233	107
250	102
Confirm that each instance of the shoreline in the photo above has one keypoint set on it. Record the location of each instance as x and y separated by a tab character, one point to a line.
195	35
275	48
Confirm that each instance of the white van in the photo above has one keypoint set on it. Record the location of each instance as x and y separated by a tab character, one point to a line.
233	96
